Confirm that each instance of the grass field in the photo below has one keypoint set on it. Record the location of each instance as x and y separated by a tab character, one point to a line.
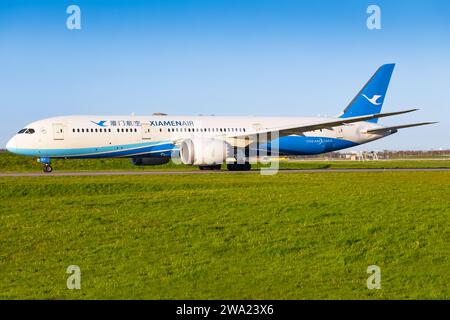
13	163
288	236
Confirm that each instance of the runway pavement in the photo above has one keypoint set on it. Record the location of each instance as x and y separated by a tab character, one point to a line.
181	172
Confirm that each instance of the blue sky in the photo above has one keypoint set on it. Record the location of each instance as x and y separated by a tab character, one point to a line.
224	57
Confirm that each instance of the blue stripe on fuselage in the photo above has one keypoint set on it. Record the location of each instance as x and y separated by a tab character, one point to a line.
98	152
290	145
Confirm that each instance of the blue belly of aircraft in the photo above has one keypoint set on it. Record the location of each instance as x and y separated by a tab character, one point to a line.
300	145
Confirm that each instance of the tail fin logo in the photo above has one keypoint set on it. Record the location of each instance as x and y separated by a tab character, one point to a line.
373	100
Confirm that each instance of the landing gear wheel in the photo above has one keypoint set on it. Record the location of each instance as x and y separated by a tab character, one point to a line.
214	167
239	166
47	168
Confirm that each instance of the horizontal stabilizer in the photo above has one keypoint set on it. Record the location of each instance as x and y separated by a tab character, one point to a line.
387	129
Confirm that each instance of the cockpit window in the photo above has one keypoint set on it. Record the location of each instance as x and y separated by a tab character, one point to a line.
22	131
29	131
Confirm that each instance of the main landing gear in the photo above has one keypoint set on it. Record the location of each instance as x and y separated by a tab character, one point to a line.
231	167
239	166
214	167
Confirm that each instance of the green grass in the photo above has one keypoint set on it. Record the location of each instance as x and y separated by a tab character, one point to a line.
239	236
13	163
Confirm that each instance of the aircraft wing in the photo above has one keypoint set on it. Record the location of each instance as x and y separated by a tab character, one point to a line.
388	129
292	129
242	140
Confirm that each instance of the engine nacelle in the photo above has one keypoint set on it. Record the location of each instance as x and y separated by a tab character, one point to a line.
149	161
203	151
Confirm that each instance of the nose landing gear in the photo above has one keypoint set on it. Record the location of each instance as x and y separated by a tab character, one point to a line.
47	167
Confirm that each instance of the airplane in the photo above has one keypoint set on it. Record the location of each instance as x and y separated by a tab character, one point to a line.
208	141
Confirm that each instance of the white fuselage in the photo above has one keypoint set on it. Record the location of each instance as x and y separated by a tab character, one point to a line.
129	136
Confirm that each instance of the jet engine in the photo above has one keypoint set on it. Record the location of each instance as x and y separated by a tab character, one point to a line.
203	151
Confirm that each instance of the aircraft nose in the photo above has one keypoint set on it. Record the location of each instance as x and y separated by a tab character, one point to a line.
10	146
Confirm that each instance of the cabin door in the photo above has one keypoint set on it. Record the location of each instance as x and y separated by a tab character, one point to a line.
146	131
58	131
